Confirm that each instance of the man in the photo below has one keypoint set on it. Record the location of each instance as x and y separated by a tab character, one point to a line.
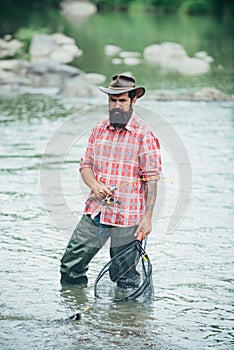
121	166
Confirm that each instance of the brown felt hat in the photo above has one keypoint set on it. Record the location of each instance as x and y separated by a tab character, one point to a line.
123	83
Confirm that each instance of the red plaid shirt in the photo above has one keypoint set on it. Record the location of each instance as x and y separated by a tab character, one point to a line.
116	158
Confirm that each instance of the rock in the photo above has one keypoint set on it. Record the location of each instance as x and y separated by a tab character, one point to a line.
62	39
117	61
56	47
79	87
52	67
210	94
50	74
192	66
7	37
75	8
38	74
112	50
10	65
165	51
203	56
9	48
126	54
131	61
61	56
95	78
42	45
204	94
173	57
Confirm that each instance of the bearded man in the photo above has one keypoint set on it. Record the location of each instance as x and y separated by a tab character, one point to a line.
121	166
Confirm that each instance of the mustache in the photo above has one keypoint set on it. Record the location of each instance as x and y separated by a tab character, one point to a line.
117	110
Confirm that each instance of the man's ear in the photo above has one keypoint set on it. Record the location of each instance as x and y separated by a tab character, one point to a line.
134	100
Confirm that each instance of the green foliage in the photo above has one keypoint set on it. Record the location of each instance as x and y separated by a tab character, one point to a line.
112	4
195	7
26	34
188	6
166	5
30	4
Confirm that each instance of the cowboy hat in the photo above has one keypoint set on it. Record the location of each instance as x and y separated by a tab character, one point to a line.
123	83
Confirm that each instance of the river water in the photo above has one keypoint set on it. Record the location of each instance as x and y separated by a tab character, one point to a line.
192	266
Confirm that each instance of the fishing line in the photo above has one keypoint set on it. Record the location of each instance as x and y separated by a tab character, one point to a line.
108	200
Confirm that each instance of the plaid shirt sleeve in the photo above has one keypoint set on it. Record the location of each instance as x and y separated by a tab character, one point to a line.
149	157
87	159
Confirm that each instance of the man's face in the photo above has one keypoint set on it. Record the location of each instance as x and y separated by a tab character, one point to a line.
120	109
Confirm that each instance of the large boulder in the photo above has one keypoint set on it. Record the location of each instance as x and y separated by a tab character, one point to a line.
173	57
37	74
50	74
56	47
164	53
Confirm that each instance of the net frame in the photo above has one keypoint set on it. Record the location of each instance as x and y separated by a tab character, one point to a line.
146	271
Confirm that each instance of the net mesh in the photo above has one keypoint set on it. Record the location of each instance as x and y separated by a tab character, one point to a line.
127	276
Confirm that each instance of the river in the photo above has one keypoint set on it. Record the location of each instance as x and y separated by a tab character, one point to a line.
192	308
192	266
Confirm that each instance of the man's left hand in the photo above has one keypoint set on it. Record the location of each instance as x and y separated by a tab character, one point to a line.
144	228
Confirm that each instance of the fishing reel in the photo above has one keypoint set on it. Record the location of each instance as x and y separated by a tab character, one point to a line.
109	201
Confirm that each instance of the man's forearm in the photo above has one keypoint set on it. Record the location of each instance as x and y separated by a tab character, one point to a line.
100	190
151	195
88	177
145	226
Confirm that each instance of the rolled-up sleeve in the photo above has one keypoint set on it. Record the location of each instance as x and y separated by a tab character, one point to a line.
150	157
87	159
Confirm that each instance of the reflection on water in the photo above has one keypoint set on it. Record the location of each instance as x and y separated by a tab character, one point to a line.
192	269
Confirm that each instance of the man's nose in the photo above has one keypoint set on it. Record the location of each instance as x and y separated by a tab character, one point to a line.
117	104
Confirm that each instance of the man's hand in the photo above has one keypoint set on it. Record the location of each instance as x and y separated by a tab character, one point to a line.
101	191
144	228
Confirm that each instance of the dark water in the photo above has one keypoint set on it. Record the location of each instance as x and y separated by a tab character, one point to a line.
193	268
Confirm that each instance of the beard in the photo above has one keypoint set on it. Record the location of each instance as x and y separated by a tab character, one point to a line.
119	118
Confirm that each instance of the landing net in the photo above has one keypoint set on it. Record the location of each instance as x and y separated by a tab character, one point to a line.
127	276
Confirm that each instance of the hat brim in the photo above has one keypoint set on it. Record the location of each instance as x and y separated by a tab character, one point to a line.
140	91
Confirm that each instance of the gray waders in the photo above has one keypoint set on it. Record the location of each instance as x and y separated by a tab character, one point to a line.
87	239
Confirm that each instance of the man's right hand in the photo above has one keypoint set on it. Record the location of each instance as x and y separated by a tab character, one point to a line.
101	191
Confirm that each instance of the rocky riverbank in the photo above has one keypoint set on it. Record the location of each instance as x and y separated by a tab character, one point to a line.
48	68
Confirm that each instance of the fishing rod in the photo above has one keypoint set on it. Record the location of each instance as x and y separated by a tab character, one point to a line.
110	200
